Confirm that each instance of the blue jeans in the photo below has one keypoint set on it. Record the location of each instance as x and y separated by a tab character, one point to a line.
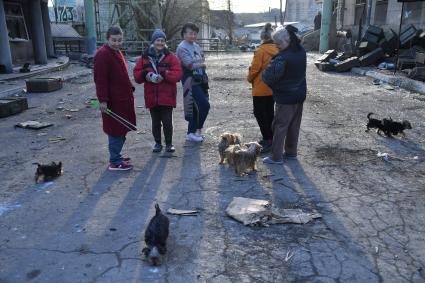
200	111
115	145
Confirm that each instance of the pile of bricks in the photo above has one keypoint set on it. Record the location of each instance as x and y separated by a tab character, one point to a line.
378	45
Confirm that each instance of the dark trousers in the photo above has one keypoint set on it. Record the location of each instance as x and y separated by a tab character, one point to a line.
201	108
115	145
162	116
264	113
286	129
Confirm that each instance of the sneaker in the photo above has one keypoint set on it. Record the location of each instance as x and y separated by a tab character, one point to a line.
194	138
121	167
289	156
269	160
157	147
199	133
170	148
126	159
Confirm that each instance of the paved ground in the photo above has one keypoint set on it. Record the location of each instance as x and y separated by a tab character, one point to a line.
88	225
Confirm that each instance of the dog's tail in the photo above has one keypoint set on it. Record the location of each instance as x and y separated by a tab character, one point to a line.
157	209
370	114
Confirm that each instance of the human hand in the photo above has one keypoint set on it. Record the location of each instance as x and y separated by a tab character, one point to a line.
160	78
103	107
148	77
203	65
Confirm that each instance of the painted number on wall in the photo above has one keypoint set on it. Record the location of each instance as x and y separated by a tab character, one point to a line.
65	14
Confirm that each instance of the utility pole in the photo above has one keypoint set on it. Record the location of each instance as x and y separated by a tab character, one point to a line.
281	12
369	12
90	26
230	21
326	26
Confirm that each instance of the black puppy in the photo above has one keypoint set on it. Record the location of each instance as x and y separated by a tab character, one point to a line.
156	235
374	123
394	128
47	172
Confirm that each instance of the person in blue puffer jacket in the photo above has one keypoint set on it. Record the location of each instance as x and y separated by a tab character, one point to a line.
286	76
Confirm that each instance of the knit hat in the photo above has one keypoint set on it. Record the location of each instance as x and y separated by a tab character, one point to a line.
266	33
158	34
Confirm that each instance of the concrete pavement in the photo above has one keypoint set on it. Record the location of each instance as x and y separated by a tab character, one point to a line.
88	225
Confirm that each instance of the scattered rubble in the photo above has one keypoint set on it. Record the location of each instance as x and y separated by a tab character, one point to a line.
256	212
182	212
378	48
34	125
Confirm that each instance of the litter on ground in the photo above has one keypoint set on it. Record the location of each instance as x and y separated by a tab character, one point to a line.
34	125
255	212
182	212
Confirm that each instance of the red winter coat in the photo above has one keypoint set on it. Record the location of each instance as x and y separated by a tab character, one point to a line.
114	87
164	93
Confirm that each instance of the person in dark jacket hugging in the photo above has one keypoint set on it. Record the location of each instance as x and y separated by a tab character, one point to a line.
159	70
286	76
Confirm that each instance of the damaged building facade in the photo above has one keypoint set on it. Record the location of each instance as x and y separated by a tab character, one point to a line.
25	33
384	13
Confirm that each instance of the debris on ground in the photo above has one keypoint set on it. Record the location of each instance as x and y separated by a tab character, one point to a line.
182	212
383	155
378	47
256	212
34	125
57	139
12	105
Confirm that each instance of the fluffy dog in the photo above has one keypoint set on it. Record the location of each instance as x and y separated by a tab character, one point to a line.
374	123
227	139
156	235
245	158
47	172
394	128
229	153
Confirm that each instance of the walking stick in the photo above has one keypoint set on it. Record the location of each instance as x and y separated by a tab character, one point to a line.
117	117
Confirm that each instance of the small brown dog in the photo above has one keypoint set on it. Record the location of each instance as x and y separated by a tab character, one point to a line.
227	139
229	153
47	172
245	158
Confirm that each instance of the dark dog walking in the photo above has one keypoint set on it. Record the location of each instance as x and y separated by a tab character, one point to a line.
374	123
156	235
394	128
47	172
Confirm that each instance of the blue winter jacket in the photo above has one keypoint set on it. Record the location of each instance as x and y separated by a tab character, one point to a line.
286	76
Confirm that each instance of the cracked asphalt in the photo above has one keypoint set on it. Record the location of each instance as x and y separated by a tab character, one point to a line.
88	225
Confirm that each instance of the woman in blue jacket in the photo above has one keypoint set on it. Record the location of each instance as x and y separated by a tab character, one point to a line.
286	76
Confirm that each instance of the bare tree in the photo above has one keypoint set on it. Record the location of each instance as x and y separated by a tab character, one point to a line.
169	15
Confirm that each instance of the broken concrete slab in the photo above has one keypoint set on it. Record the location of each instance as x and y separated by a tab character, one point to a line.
12	105
34	125
407	34
256	212
330	54
371	57
347	64
44	84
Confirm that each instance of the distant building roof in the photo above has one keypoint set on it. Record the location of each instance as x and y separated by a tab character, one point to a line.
64	31
260	25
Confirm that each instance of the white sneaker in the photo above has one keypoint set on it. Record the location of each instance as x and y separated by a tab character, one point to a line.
194	138
199	133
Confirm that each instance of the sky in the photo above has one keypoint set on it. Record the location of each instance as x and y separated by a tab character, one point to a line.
246	6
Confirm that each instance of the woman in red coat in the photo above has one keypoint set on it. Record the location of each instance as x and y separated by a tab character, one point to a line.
114	91
159	70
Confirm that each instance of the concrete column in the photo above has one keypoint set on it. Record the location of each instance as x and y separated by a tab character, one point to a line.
47	29
37	33
326	26
90	26
5	55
